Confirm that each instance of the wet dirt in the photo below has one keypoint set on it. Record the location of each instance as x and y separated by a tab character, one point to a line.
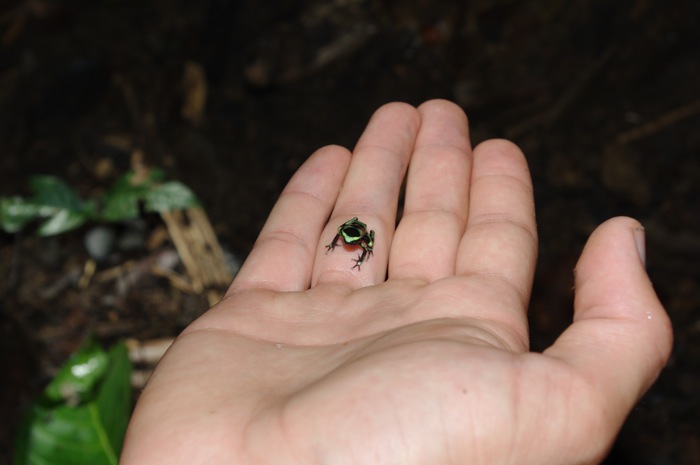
229	97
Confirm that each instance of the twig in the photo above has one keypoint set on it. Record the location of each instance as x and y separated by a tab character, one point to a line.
179	232
660	123
147	352
177	281
88	273
219	271
565	99
199	250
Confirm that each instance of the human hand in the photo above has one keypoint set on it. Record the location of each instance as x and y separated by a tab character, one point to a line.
421	356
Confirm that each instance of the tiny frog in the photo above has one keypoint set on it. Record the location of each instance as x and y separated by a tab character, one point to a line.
354	232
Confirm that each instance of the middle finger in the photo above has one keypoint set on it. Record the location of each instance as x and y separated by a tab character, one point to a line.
437	196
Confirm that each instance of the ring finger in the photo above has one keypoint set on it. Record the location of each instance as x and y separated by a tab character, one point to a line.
370	193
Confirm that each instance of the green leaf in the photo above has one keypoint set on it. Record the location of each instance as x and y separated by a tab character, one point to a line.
114	397
92	432
50	191
77	379
122	201
65	210
16	212
52	199
155	175
62	221
170	196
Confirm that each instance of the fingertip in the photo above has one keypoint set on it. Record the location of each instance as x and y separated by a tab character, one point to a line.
332	150
502	154
635	227
393	127
322	173
393	110
395	106
615	250
443	106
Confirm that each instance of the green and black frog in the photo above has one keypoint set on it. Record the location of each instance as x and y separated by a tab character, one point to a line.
354	232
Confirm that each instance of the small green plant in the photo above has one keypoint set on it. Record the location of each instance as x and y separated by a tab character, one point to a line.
62	209
81	417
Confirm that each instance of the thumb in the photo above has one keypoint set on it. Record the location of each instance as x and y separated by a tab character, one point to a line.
621	336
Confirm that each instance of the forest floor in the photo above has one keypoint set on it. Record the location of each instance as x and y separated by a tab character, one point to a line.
229	97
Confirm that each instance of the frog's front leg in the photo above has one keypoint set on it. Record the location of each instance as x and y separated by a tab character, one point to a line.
333	244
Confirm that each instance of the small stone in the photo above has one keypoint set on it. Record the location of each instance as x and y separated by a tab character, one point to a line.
99	242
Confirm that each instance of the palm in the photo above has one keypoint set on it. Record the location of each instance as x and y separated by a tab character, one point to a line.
420	356
353	394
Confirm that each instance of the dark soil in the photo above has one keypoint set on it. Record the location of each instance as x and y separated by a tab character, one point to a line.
602	96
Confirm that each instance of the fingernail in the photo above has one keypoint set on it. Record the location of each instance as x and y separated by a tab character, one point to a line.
640	239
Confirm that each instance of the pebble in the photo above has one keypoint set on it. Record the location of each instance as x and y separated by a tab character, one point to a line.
99	242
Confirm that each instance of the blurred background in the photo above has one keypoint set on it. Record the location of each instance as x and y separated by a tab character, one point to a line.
229	97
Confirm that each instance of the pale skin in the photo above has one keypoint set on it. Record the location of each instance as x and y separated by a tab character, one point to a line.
422	356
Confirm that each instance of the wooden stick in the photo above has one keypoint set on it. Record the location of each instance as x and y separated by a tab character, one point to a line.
199	249
658	124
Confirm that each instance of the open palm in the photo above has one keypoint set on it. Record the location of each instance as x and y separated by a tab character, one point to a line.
419	356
